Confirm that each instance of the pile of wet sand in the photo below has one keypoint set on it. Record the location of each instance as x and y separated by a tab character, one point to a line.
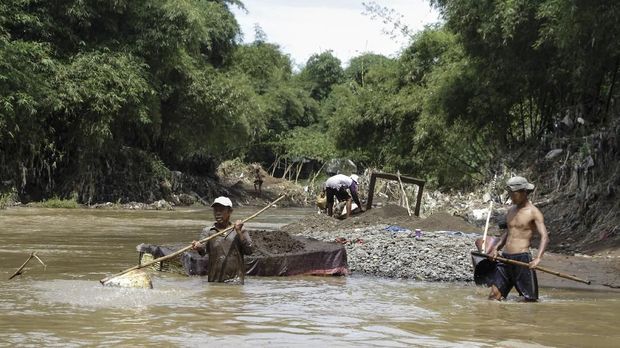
267	243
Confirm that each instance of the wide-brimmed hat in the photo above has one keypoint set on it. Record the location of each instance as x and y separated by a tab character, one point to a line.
355	178
221	200
518	183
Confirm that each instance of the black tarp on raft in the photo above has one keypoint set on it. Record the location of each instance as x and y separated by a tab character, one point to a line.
309	257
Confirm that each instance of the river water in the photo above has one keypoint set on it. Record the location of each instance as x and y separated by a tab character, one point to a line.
64	304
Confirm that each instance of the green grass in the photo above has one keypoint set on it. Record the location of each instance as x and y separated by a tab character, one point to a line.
5	200
56	202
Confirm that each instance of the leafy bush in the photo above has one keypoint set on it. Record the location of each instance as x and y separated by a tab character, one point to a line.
56	202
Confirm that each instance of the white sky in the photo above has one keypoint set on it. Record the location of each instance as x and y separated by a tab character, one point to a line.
305	27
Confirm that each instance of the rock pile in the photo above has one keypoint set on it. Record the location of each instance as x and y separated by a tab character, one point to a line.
382	242
376	250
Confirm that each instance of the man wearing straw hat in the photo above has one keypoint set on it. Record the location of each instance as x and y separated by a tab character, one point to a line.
523	219
226	252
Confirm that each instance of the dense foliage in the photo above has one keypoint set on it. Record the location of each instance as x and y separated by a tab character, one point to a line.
99	100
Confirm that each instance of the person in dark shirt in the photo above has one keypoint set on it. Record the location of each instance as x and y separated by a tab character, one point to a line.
226	263
258	181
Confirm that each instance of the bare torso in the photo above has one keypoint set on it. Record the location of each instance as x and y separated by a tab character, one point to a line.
523	219
521	226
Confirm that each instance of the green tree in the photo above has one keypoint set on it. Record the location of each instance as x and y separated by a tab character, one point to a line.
360	66
97	85
320	73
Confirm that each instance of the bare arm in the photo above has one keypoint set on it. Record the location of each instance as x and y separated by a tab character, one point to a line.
539	221
355	196
502	241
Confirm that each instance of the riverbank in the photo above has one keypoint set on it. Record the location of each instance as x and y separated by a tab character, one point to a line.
382	242
234	180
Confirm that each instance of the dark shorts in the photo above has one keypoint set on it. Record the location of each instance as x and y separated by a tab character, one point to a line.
522	278
341	194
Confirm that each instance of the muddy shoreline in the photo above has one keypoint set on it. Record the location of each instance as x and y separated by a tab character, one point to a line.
381	241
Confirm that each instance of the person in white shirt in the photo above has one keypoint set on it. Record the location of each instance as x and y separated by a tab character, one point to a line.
337	186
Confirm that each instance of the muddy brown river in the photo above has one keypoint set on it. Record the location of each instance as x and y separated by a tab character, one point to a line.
65	306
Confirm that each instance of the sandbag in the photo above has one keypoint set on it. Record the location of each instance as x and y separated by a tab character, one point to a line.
321	201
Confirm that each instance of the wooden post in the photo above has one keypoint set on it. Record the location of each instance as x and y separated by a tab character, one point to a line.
418	202
371	191
409	180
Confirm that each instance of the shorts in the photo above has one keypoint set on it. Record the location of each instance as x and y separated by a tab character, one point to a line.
522	278
341	194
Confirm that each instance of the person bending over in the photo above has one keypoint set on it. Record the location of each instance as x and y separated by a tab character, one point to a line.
337	186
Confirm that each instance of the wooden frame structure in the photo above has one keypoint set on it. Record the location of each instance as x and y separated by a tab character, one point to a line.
405	179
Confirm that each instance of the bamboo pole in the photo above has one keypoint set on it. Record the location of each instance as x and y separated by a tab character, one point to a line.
486	227
180	251
19	270
523	264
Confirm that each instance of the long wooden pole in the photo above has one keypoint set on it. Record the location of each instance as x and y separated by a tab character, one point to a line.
402	188
19	270
486	228
180	251
523	264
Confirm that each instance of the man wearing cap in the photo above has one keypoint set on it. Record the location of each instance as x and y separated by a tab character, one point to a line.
226	251
337	186
523	219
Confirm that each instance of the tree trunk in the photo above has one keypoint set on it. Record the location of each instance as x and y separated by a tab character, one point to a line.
301	164
611	87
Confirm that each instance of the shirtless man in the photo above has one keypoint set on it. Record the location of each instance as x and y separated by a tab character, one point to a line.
523	220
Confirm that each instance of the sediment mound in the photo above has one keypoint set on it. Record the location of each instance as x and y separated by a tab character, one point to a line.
387	215
267	243
445	222
382	242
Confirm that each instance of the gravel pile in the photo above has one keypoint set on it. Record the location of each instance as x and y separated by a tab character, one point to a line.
436	256
382	242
